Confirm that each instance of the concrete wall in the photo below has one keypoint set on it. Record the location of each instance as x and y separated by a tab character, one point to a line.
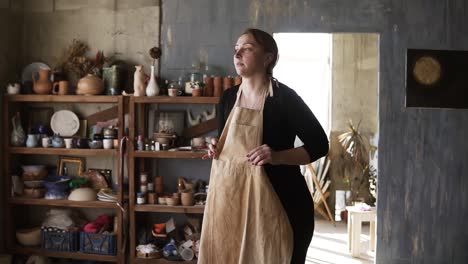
422	198
355	68
354	81
123	29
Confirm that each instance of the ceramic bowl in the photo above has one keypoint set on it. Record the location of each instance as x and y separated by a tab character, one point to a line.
34	172
161	200
83	194
34	184
29	237
33	192
57	183
172	201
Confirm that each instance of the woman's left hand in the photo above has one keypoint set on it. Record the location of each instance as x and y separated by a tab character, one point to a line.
261	155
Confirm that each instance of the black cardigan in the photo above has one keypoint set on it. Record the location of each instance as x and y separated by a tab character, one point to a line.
285	115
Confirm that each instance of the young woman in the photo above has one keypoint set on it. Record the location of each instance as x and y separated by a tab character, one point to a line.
259	209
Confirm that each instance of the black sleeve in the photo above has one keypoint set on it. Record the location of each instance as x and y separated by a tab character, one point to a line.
306	127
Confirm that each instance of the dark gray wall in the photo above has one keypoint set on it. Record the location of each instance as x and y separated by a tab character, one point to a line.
10	34
423	173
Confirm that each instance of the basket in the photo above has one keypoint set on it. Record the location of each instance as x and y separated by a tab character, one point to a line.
59	240
98	243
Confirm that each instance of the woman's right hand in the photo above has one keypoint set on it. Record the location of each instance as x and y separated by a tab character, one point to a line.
211	149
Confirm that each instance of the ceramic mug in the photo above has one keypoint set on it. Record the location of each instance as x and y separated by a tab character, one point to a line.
60	88
107	143
46	142
173	92
68	143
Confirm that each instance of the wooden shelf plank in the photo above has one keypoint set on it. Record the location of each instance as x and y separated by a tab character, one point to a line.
157	208
63	151
176	100
62	98
169	154
63	203
162	261
61	254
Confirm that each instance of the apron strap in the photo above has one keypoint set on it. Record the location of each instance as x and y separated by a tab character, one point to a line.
222	139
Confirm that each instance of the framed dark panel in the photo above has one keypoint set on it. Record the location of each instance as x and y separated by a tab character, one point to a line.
436	78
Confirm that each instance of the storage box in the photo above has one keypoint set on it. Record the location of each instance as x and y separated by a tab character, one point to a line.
98	243
59	240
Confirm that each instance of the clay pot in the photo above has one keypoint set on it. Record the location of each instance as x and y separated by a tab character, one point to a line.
187	199
29	237
90	85
228	82
158	184
217	86
41	82
208	89
197	92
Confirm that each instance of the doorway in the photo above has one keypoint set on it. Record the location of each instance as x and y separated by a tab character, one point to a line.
337	76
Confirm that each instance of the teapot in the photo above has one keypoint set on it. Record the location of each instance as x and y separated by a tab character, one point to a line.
57	141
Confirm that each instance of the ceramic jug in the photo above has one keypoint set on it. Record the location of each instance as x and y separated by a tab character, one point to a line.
17	136
57	141
152	89
32	140
41	82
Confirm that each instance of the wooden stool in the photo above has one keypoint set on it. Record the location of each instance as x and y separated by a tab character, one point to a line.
355	219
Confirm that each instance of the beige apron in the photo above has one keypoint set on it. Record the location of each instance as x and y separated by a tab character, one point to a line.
244	219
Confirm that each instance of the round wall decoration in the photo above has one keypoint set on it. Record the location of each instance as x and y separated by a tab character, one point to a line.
427	70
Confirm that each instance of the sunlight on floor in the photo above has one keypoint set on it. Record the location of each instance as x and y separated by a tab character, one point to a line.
329	245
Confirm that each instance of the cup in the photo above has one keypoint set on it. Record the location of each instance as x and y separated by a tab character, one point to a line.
108	143
198	142
68	143
60	88
46	142
172	92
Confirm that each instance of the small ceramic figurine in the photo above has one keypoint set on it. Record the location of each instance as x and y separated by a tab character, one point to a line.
138	82
13	88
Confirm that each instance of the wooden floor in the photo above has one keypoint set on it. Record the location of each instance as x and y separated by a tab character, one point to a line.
329	245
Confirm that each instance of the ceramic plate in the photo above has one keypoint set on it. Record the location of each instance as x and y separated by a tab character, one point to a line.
65	123
26	75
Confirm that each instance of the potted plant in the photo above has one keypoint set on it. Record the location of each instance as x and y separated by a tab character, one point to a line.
359	174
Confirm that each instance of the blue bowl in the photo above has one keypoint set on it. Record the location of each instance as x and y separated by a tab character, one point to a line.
57	183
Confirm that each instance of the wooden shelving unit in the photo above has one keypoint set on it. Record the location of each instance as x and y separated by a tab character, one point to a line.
61	254
11	203
157	208
61	203
169	154
63	151
161	261
137	127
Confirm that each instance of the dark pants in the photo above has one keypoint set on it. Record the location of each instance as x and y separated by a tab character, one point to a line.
303	230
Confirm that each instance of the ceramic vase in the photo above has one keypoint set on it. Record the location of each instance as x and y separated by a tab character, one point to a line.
152	89
17	136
